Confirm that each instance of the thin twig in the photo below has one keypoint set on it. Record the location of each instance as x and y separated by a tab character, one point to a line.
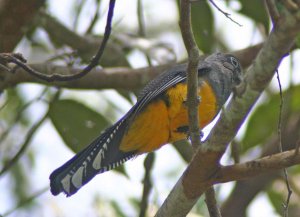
141	22
95	18
24	146
26	201
20	114
27	141
223	12
107	32
286	204
295	186
21	62
148	164
142	29
211	203
5	104
78	9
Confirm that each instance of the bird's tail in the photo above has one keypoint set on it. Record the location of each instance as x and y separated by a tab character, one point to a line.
101	155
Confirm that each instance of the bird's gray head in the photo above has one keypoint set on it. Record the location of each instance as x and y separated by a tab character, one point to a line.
223	72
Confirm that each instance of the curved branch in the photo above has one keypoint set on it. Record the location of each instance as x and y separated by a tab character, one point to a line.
18	60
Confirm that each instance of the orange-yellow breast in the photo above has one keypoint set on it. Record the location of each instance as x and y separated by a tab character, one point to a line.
158	123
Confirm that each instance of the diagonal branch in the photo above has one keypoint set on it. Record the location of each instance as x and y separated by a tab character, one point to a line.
212	206
28	139
205	164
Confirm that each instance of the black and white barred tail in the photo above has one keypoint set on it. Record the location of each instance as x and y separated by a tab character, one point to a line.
101	155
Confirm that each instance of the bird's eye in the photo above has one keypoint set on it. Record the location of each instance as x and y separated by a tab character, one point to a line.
234	62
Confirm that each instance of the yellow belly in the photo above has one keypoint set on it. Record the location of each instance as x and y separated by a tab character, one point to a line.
158	123
178	111
149	129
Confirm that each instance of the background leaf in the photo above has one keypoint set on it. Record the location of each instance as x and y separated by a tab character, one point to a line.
202	25
262	124
76	123
255	9
276	200
264	120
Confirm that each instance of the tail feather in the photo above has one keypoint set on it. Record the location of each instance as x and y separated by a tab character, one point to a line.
101	155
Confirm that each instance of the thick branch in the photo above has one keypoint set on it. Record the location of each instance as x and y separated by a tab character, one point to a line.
118	78
205	164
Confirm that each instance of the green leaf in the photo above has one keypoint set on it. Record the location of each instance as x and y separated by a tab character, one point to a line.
255	9
76	123
12	107
276	200
262	124
202	25
298	41
295	98
119	210
264	120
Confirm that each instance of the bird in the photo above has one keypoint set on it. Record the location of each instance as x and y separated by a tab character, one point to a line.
158	117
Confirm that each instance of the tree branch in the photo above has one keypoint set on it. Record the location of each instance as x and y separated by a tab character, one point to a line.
18	60
148	164
24	146
27	140
192	75
205	163
223	12
244	191
118	78
211	202
257	167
